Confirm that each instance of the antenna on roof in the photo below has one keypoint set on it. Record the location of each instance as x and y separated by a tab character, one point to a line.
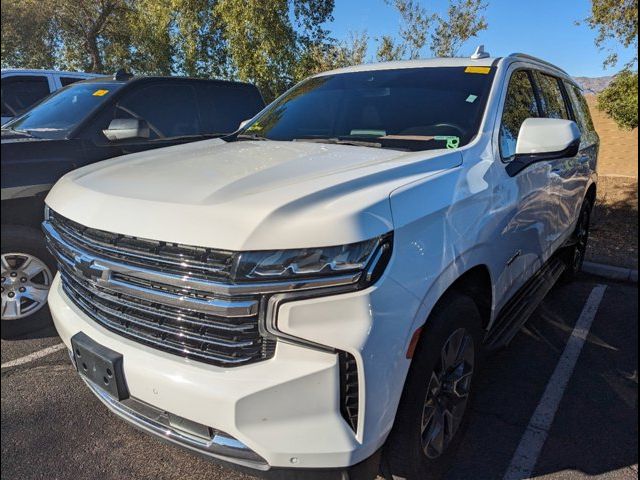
480	53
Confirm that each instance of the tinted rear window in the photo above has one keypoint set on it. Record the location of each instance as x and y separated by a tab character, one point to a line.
69	80
552	99
21	92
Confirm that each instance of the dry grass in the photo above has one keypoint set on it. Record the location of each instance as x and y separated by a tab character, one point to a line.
618	148
614	228
614	237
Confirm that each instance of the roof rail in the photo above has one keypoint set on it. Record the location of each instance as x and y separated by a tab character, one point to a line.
536	59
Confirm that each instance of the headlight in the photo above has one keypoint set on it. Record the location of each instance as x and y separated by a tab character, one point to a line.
306	263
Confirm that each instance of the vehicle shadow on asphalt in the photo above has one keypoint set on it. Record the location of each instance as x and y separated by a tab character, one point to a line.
595	429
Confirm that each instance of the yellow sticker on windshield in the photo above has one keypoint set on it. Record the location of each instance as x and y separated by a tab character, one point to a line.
100	93
483	70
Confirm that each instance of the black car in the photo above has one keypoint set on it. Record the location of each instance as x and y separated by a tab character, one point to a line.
81	124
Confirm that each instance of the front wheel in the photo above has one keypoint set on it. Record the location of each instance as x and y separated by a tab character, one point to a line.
438	390
27	274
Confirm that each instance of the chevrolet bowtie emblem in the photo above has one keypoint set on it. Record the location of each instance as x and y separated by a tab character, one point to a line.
87	268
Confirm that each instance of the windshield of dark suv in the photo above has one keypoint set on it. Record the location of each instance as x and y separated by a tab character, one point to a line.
56	116
406	109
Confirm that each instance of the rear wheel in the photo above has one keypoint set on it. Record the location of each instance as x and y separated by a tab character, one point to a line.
576	253
27	273
432	413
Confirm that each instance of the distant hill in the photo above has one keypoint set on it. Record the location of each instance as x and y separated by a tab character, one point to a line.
593	84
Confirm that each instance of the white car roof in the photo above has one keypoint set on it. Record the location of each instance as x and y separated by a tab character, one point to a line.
419	63
451	62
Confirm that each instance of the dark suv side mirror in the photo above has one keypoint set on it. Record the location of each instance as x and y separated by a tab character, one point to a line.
126	128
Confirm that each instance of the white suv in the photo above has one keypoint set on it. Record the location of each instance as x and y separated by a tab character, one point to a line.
314	292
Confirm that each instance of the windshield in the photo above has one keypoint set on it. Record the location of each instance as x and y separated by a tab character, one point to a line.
411	109
57	115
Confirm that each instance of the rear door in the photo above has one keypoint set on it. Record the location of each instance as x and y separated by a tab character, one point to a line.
568	180
589	142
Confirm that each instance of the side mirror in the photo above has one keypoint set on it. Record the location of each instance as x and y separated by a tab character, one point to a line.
126	128
244	123
544	139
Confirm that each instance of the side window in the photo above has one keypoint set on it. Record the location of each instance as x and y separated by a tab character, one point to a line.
551	97
224	106
519	105
19	93
583	115
170	110
69	80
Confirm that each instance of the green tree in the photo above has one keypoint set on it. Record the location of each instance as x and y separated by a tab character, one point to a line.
416	23
464	20
443	34
28	37
332	54
144	36
389	50
620	99
615	20
85	28
267	39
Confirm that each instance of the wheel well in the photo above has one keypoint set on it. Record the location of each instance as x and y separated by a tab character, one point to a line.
476	283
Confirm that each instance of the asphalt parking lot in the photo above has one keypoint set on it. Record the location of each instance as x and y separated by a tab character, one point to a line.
53	427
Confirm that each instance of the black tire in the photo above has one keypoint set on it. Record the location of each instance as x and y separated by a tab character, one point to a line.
30	241
405	454
575	254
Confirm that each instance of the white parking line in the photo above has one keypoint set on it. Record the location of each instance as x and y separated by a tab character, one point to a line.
33	356
526	456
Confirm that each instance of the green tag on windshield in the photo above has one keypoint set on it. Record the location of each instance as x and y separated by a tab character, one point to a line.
452	140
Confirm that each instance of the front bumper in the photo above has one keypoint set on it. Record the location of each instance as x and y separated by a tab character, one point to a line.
283	412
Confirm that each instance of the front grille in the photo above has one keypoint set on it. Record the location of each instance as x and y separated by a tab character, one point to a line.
138	288
165	257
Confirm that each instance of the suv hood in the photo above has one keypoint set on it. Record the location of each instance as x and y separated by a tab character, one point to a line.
246	195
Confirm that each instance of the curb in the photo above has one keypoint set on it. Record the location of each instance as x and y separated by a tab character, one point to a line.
611	272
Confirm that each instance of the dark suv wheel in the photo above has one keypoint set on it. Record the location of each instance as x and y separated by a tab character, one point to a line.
576	253
432	412
27	273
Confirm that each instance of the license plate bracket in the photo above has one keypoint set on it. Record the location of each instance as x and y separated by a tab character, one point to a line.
100	365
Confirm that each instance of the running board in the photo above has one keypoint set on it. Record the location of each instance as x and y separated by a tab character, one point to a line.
519	308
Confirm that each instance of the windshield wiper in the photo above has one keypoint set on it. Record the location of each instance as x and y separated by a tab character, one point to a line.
250	136
339	141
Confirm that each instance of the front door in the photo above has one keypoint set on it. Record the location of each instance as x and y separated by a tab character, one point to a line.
524	233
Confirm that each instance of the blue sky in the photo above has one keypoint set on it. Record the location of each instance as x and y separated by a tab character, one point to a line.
544	28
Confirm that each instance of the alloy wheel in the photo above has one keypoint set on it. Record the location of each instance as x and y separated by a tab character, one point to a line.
25	285
448	393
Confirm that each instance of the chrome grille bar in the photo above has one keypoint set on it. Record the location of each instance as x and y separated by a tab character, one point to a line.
186	316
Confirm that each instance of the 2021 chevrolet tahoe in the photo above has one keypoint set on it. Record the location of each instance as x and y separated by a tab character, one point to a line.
314	293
